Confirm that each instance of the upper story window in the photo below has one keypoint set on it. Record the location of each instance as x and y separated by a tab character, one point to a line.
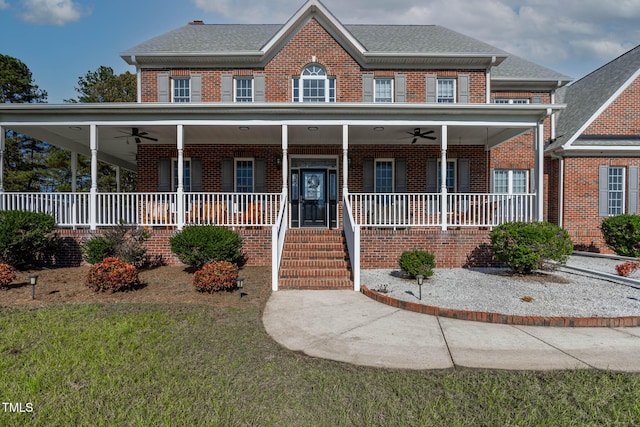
243	89
446	90
511	101
383	89
313	85
181	91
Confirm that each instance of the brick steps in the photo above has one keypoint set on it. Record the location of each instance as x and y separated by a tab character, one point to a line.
315	259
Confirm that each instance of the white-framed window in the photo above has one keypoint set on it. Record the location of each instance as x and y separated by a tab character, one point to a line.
180	90
383	90
244	175
186	174
451	176
511	101
615	190
243	89
446	90
384	176
511	181
313	85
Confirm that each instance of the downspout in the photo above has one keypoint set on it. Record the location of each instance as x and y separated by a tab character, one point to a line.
488	80
560	188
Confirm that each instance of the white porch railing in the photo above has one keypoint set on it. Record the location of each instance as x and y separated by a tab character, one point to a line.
424	209
352	236
150	209
278	234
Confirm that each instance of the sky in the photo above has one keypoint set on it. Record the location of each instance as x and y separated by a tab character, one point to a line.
61	40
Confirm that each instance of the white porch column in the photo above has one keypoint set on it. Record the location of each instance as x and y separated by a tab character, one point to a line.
443	176
345	160
179	206
539	170
285	160
2	142
93	194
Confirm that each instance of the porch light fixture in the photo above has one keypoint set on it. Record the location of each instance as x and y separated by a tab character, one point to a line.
33	280
76	128
279	162
420	279
313	128
378	129
244	128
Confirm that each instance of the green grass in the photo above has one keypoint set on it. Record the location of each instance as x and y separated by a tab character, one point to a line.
155	365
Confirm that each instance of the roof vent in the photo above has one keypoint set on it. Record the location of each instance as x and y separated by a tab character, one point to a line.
196	23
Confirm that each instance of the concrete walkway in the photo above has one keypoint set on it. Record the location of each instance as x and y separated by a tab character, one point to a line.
347	326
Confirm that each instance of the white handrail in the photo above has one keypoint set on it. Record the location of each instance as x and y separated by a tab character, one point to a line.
352	236
278	234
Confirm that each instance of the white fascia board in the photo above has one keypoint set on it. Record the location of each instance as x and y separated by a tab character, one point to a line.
602	109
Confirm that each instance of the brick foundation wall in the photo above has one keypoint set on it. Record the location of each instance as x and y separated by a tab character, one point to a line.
381	248
257	246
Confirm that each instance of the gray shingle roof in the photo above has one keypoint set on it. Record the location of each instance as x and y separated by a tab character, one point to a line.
587	95
516	68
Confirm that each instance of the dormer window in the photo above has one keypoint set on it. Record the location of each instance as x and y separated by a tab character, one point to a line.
313	85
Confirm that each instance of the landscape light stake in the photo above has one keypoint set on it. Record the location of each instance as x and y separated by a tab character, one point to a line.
240	285
420	279
33	279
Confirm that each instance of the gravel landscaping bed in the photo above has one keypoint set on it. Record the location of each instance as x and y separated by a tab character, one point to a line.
553	293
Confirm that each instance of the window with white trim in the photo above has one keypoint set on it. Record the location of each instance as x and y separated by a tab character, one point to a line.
383	176
313	85
615	190
186	174
510	181
451	176
383	90
181	90
511	101
446	90
244	175
243	89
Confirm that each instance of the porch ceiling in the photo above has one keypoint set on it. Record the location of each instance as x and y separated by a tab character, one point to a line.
68	126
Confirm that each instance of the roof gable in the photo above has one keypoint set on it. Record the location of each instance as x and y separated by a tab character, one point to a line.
590	96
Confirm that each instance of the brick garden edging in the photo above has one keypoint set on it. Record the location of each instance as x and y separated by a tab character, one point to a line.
505	319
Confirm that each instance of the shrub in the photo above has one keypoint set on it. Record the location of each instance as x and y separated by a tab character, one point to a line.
124	243
7	275
27	238
417	262
196	246
216	276
626	268
525	247
622	234
113	275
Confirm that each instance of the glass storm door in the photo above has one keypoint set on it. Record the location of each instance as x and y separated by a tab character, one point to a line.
313	198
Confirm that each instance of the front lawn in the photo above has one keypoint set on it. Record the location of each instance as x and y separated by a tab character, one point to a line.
148	365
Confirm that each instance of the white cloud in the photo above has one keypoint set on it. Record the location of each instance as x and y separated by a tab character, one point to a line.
3	5
53	12
550	32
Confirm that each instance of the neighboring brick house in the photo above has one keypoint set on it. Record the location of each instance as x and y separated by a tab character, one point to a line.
595	157
277	129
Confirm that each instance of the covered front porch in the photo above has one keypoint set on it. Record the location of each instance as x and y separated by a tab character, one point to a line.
345	145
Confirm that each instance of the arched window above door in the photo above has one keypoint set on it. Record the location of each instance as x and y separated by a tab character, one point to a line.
313	85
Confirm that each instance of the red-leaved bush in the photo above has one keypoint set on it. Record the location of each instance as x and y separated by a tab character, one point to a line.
216	276
7	275
112	275
626	268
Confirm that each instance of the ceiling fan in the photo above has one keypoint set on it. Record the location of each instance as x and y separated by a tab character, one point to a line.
137	135
417	134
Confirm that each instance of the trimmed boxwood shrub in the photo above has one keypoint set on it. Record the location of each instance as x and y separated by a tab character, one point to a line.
198	245
524	247
7	275
27	238
216	276
122	242
417	262
113	275
622	234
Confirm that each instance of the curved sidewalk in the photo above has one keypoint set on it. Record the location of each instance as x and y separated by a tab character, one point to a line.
347	326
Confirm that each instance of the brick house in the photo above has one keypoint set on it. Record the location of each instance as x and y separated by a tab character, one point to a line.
322	143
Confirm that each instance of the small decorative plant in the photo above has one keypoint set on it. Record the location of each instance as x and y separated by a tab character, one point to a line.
113	275
125	243
7	275
626	268
196	246
417	262
216	276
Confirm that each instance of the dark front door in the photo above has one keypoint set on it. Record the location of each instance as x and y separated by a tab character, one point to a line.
313	198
